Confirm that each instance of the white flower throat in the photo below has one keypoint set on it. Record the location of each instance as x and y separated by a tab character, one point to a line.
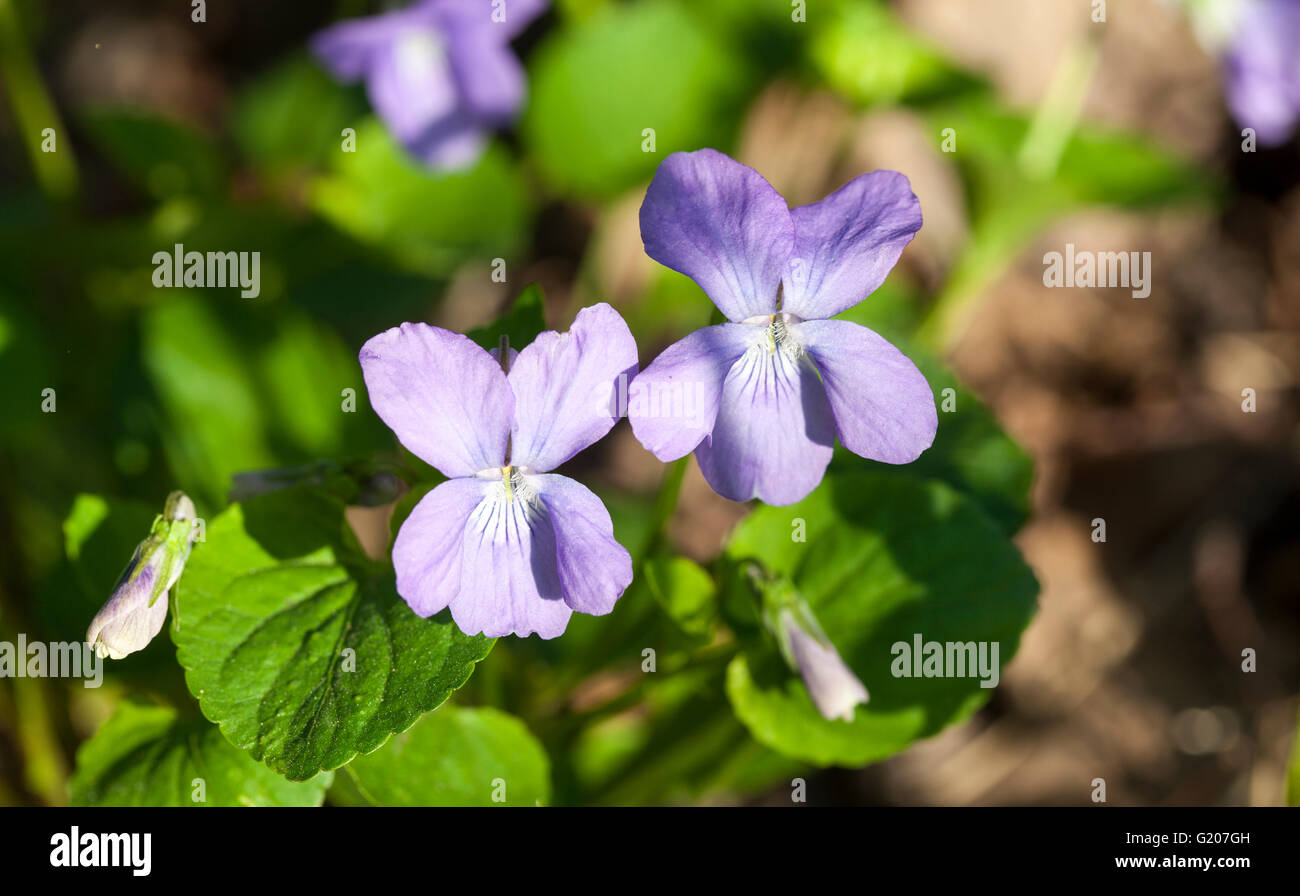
776	333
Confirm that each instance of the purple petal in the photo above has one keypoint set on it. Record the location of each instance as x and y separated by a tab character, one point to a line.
427	550
515	15
566	386
673	403
884	408
509	576
1262	70
445	398
128	623
450	143
411	87
720	223
846	245
491	79
348	49
774	434
595	569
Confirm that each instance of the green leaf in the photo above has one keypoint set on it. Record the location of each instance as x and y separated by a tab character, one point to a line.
164	158
684	590
521	324
24	366
452	757
148	756
428	221
217	424
865	53
597	85
100	536
886	558
293	115
298	646
304	370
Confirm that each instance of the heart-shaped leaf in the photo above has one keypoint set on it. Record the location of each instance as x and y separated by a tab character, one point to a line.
298	646
885	558
148	756
453	757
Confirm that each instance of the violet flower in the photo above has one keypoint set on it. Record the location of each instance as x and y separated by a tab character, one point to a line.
1261	65
440	73
510	547
761	399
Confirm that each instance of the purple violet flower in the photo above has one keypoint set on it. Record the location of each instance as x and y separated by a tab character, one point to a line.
510	547
440	73
761	399
1262	68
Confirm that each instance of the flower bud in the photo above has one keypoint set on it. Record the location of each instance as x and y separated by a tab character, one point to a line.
834	689
134	615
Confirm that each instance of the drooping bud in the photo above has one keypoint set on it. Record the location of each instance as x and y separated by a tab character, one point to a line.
134	615
834	688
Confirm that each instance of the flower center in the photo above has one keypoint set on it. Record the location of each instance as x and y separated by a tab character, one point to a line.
418	52
777	334
512	482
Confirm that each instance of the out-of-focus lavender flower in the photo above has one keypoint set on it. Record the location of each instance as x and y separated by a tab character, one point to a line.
440	73
761	399
511	548
135	613
1258	43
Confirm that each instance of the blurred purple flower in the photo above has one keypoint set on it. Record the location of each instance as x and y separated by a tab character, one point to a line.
440	73
511	548
775	386
1262	68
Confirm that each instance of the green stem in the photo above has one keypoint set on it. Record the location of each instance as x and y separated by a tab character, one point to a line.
1058	113
33	110
670	489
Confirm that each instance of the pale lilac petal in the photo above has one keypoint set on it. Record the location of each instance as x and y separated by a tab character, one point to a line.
567	386
490	78
510	578
1262	69
506	19
348	49
884	408
833	687
846	245
595	569
673	403
774	434
724	226
451	143
412	88
445	398
128	622
428	548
